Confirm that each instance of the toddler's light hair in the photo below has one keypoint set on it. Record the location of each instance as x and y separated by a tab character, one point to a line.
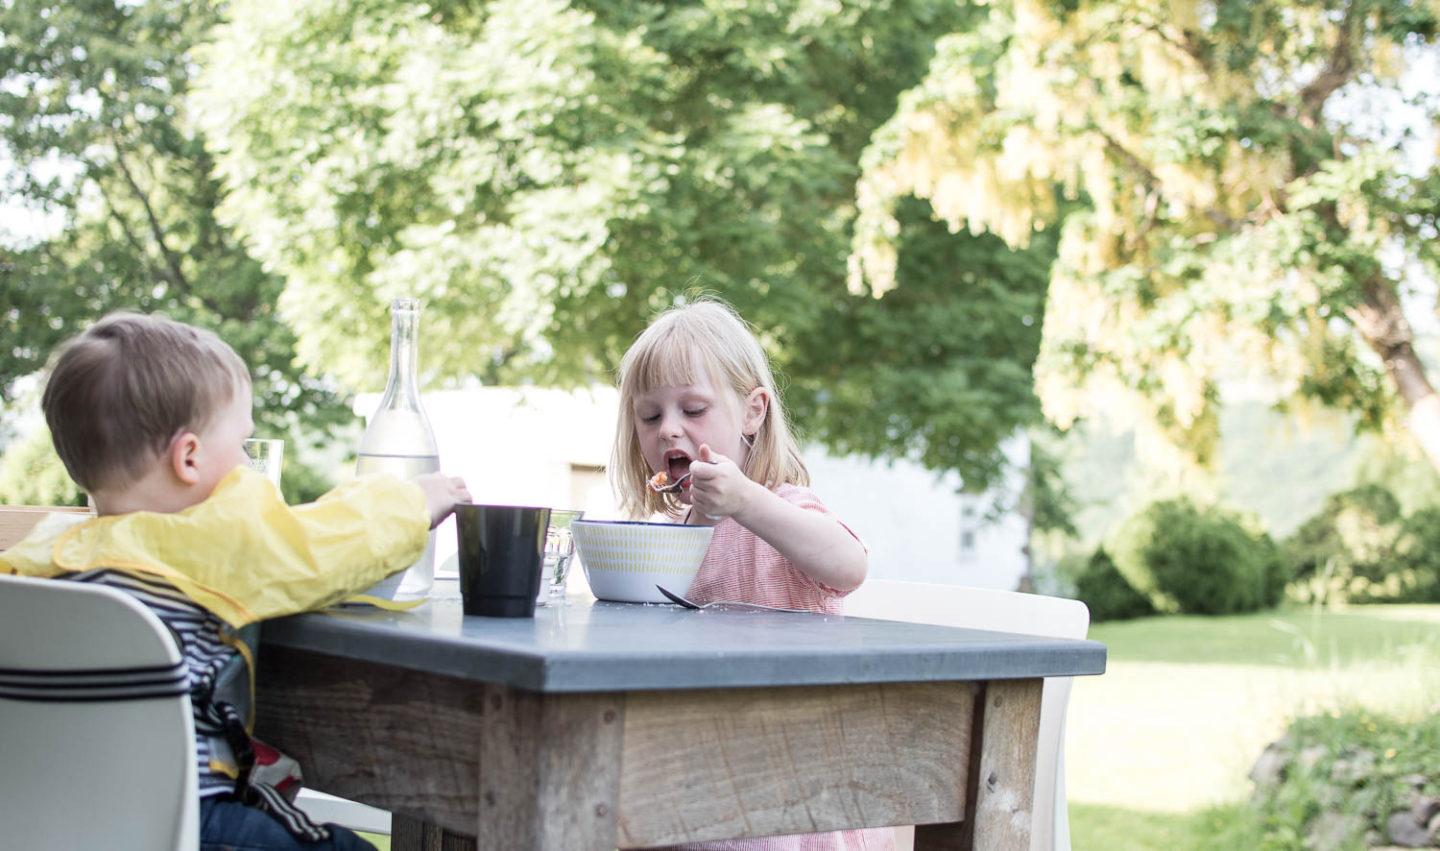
120	392
707	340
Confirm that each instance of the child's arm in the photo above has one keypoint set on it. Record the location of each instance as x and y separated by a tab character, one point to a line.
817	545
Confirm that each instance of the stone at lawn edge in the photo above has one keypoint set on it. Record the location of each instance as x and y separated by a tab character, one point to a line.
1402	830
1269	769
1311	755
1425	808
1355	767
1331	831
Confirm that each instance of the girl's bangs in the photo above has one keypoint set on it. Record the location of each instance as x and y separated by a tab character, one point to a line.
671	362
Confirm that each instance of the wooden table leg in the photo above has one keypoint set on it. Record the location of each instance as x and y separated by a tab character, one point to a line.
1002	774
408	834
549	770
1005	785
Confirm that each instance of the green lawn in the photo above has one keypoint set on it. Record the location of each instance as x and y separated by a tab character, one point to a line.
1158	748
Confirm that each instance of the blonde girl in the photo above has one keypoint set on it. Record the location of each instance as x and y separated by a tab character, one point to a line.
697	396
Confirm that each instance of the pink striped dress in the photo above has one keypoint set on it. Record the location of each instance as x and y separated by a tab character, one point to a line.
740	566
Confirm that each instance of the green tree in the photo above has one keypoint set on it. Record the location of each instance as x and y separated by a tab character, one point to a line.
549	174
93	114
940	369
30	474
1239	210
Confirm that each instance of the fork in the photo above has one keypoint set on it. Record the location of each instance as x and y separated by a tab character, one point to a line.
724	604
670	487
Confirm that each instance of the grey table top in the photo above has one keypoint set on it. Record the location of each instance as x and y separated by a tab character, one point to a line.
588	645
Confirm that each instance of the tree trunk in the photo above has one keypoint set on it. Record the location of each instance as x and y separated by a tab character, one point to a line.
1381	321
1423	421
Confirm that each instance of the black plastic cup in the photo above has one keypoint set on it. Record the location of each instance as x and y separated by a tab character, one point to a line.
502	555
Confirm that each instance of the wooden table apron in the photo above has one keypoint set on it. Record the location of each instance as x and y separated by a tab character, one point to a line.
528	757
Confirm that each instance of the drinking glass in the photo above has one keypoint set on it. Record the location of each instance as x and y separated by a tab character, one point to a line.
266	457
559	553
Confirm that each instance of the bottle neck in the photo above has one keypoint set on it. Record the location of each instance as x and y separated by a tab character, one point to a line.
402	387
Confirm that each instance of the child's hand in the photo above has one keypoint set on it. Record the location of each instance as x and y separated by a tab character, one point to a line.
718	488
441	494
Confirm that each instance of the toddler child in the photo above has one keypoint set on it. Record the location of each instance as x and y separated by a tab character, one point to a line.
697	396
149	417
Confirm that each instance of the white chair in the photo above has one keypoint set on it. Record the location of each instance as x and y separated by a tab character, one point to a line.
16	521
1000	611
96	735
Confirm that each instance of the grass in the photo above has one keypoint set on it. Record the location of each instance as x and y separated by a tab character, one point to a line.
1158	748
1222	828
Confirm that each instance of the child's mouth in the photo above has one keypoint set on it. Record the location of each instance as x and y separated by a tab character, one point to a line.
677	466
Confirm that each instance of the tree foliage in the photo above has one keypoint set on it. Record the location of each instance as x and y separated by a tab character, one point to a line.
1239	211
30	474
94	112
941	367
547	175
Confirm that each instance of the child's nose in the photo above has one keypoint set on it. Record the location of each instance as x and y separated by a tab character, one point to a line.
670	425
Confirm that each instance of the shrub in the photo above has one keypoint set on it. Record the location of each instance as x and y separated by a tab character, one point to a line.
1359	549
1126	548
1418	551
1199	561
1107	593
1277	573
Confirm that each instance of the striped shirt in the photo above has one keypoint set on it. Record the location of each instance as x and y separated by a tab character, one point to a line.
741	566
198	633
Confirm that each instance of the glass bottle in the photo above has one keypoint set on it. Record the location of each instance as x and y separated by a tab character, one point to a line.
399	440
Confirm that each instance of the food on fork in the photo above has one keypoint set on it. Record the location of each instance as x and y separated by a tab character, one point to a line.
661	483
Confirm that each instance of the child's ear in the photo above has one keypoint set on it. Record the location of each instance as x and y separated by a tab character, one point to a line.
184	457
757	404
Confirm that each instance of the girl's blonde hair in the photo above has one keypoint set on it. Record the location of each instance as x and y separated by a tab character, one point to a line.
708	340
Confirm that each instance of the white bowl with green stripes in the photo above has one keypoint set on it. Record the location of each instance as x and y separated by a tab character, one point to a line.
624	560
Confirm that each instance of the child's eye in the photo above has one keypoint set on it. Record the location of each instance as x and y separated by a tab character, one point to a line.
650	418
695	412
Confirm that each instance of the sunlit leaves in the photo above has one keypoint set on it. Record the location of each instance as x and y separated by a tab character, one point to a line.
95	119
1234	224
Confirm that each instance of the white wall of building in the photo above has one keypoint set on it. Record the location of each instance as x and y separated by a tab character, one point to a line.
915	524
535	446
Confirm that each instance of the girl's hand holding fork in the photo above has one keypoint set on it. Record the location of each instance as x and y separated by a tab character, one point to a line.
718	487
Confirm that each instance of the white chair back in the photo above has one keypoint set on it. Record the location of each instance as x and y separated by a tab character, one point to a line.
1000	611
96	735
